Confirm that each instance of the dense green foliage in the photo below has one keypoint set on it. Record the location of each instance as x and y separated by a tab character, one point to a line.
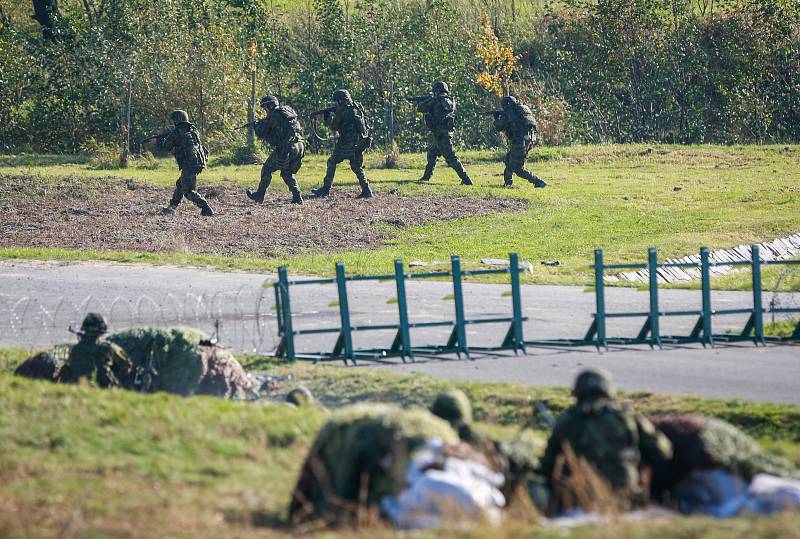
608	70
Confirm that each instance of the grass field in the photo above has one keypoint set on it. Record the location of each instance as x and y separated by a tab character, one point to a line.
624	198
82	462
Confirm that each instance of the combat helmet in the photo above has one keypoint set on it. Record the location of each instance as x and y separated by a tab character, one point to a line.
440	87
178	116
269	101
453	406
94	325
592	384
341	95
300	396
508	101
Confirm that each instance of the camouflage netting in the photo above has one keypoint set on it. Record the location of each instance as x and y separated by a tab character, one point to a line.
702	442
183	365
360	455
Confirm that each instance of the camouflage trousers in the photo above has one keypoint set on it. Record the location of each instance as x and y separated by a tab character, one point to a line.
440	144
186	186
346	152
286	158
515	160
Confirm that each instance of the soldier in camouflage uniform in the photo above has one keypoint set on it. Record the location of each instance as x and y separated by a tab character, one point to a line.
349	122
282	131
98	361
191	155
439	114
519	125
615	441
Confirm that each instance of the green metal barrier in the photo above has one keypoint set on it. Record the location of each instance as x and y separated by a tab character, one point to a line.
649	334
402	345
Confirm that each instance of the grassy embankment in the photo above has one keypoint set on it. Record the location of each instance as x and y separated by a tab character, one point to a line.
624	198
82	462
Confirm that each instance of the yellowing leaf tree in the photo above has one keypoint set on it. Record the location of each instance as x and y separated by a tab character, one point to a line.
499	61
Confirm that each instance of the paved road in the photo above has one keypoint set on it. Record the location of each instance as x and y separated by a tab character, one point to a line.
38	300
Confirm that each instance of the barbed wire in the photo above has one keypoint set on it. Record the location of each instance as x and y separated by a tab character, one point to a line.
243	320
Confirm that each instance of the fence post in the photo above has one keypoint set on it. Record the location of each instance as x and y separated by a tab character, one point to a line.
286	307
460	329
600	299
652	266
758	311
705	282
516	303
344	314
402	307
278	308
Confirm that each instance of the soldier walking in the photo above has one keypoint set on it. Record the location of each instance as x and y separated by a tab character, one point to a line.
349	122
439	115
191	155
280	129
519	125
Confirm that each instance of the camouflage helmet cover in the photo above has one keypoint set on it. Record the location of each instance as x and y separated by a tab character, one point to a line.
508	101
94	324
341	95
269	101
440	87
179	116
453	406
300	396
593	383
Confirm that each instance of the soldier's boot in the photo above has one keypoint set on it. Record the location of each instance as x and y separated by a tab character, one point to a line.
428	172
169	210
255	196
366	191
323	191
508	179
297	197
465	179
206	211
533	178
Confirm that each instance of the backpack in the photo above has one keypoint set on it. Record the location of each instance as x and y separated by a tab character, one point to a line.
290	125
362	127
194	152
523	120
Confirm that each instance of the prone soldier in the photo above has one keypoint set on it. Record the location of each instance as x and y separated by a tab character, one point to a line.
439	115
348	120
519	125
96	360
281	129
191	155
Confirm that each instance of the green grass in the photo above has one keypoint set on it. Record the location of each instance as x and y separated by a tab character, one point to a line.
119	464
618	197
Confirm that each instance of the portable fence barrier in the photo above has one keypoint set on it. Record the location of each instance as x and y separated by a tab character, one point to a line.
649	334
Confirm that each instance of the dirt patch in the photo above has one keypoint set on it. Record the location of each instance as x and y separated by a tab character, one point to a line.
121	215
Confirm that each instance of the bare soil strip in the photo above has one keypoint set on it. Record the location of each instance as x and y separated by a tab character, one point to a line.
110	214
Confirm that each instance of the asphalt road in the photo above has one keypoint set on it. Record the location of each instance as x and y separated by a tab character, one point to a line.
38	300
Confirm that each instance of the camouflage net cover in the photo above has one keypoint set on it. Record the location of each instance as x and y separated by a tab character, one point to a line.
702	443
182	365
359	456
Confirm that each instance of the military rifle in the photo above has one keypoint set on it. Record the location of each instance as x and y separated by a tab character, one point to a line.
155	138
495	113
416	99
248	124
327	110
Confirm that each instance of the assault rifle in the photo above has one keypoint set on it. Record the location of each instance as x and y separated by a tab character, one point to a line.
495	113
327	110
243	126
155	138
416	99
